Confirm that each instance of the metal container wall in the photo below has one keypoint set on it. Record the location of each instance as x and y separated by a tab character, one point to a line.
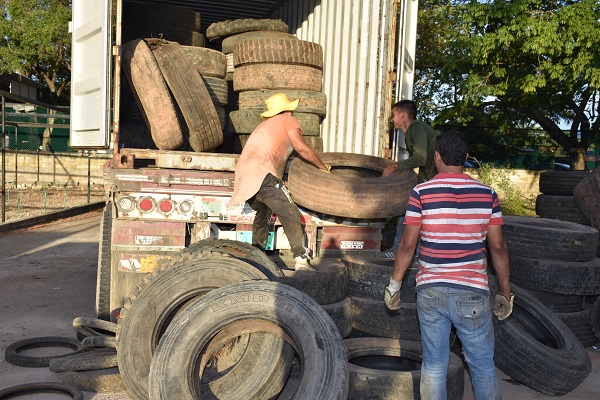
362	71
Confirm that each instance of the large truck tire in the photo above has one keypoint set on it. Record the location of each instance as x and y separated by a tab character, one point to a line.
152	94
266	76
154	302
190	93
103	277
353	189
208	62
369	275
560	182
244	122
399	376
587	197
558	303
217	89
219	30
229	43
543	238
270	306
560	207
278	50
372	317
573	278
310	101
580	323
536	348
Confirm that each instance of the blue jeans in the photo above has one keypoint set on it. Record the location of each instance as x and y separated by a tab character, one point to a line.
441	307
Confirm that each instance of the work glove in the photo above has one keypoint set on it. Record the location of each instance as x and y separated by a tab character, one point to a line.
503	307
391	295
327	168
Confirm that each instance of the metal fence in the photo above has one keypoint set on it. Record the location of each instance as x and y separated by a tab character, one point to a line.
35	139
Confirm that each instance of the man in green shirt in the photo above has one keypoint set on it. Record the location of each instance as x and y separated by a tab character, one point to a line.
420	144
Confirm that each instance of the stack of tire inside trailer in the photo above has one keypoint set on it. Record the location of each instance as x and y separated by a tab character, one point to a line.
263	59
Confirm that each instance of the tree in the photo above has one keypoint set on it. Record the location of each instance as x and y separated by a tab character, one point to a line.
520	63
34	41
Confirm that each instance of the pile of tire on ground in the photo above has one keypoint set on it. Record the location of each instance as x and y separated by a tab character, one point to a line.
553	268
264	59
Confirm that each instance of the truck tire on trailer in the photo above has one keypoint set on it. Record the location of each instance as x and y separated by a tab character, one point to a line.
277	76
543	238
190	93
345	193
401	378
217	89
310	102
272	306
162	294
278	50
230	42
245	121
208	62
536	348
152	95
219	30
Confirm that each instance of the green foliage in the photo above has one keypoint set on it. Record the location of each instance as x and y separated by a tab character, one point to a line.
513	201
34	41
513	65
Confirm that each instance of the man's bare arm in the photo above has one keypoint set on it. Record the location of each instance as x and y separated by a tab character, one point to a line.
406	251
499	253
303	150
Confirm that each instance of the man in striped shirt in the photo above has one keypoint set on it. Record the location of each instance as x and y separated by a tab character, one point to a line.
454	215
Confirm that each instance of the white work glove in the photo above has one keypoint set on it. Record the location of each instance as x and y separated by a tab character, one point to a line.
503	307
391	295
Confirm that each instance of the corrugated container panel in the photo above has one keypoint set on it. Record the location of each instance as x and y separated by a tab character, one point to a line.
356	37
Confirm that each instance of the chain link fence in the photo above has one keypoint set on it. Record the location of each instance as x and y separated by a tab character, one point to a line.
40	172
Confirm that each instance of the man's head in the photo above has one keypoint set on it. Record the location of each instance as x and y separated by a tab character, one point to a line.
405	112
451	147
278	103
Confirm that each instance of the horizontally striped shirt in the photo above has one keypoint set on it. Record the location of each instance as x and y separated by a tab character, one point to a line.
454	211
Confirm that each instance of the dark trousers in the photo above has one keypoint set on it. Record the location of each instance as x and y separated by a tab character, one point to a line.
273	197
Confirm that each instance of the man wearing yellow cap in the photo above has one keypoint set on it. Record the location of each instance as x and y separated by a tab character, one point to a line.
259	171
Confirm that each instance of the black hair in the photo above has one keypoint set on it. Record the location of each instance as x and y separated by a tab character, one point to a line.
407	106
452	146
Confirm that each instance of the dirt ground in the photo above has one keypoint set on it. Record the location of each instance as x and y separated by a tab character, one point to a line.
48	277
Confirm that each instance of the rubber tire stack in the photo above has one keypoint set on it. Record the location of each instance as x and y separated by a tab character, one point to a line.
556	261
557	200
263	59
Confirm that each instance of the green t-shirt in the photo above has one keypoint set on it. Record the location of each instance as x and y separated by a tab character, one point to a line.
420	143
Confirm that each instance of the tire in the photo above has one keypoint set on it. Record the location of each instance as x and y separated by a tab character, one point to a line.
208	62
86	361
165	15
586	197
230	42
41	387
353	189
368	276
399	375
275	306
560	207
244	122
544	238
190	93
580	324
310	102
328	285
217	89
572	278
86	327
151	94
536	348
558	303
99	341
181	36
372	317
219	30
12	353
341	315
277	76
151	306
104	276
278	50
101	381
239	250
560	182
135	136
